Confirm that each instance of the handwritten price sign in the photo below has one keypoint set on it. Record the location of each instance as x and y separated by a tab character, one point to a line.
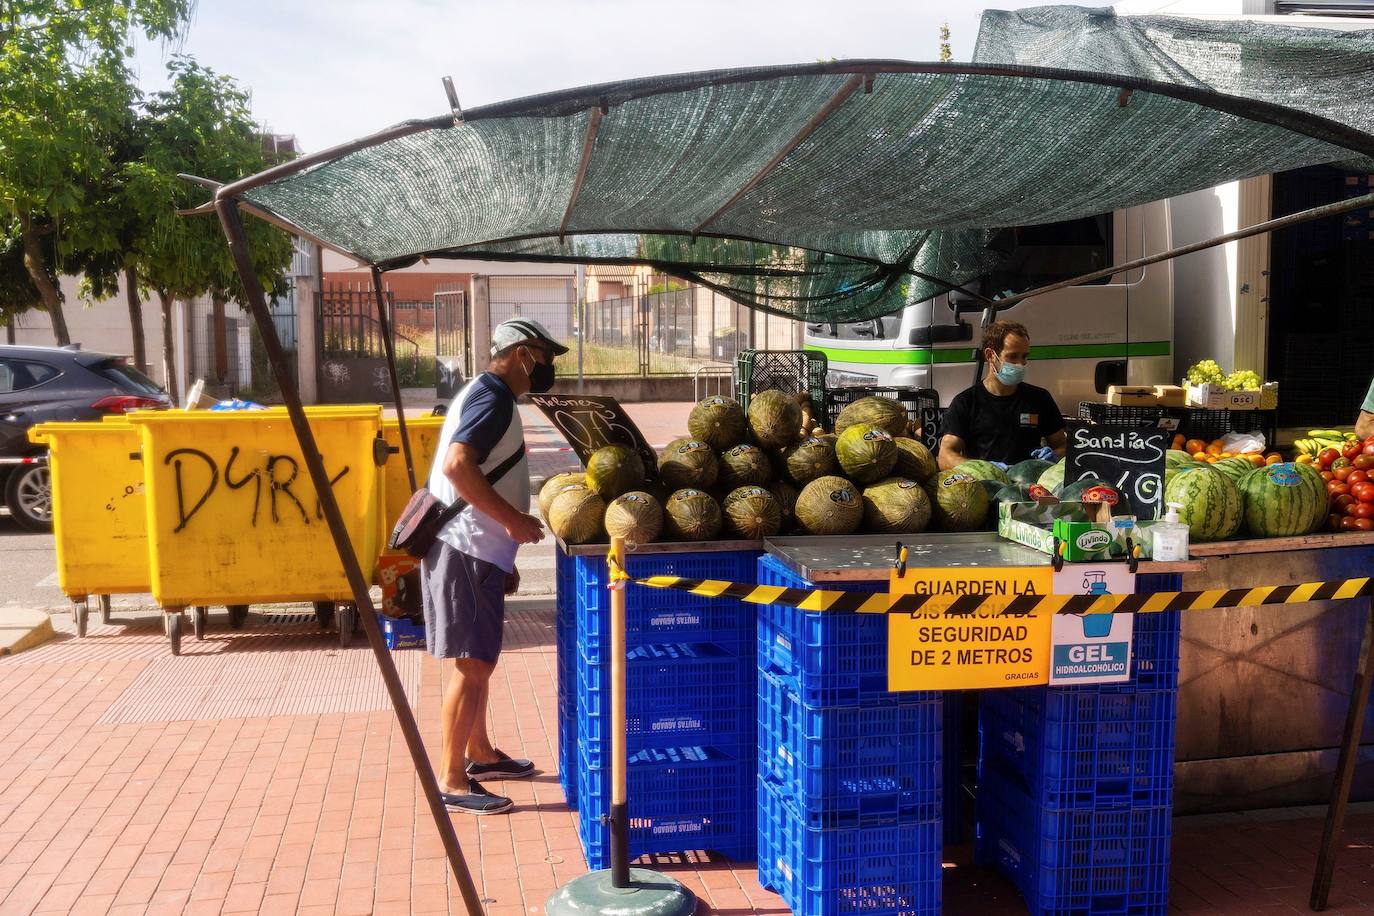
1130	459
590	422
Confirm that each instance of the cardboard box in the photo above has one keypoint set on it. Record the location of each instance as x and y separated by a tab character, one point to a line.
1132	396
1214	397
1087	531
1171	395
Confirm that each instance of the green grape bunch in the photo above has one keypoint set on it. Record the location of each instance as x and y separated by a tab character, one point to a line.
1243	380
1206	372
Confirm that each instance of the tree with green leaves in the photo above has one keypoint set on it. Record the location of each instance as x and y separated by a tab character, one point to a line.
200	125
65	95
946	55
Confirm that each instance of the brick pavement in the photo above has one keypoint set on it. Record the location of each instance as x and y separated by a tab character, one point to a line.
263	772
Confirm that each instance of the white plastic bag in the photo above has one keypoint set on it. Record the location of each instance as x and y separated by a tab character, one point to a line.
1242	443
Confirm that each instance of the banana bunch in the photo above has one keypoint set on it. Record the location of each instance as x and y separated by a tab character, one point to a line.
1318	439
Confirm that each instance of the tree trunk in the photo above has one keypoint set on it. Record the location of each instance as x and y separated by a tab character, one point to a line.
221	345
9	330
42	281
169	365
136	319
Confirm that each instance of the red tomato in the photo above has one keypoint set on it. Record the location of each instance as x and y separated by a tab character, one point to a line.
1351	449
1328	476
1368	440
1326	456
1368	449
1342	473
1357	477
1338	503
1340	463
1362	510
1364	463
1364	524
1333	522
1350	524
1338	487
1349	509
1364	492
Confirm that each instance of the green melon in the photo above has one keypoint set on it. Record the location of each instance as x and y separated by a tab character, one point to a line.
691	515
719	422
810	458
884	413
1174	458
576	515
914	460
554	485
983	470
785	495
688	463
636	516
751	513
1028	471
866	453
1282	500
774	419
959	501
1210	504
613	470
830	505
896	505
1053	478
1234	468
744	466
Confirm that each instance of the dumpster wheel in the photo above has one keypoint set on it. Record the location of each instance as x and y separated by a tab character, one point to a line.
348	622
171	624
199	618
238	613
324	614
105	609
81	613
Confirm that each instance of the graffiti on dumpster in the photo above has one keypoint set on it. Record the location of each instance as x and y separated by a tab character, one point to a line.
130	490
277	474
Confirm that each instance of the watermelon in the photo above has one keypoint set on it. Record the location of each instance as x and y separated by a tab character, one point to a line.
1073	492
958	501
1234	468
1211	505
1053	478
1283	500
1014	493
1174	458
1028	471
983	470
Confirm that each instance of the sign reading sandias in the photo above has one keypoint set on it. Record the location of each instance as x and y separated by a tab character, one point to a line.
937	648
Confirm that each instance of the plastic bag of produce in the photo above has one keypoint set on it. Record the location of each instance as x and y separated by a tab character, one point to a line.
1242	443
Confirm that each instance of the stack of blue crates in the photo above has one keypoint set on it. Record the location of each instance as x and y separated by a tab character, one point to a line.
1075	787
565	628
850	775
690	708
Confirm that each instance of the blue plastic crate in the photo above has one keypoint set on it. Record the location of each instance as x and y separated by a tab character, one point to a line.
676	694
952	762
1067	863
680	800
665	615
828	658
1154	652
401	634
843	766
1112	751
885	870
565	627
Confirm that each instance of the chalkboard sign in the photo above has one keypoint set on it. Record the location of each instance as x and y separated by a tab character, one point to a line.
590	422
1129	459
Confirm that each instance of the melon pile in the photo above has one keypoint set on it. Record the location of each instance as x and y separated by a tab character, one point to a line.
767	471
1232	497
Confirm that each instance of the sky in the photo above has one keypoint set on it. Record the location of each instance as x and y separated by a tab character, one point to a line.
333	70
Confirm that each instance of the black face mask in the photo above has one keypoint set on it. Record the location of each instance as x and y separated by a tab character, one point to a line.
541	377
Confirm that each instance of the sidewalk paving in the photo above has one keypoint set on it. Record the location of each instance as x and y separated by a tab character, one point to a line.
262	771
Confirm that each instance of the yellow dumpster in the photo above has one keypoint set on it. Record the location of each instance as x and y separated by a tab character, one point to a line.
233	518
424	437
99	524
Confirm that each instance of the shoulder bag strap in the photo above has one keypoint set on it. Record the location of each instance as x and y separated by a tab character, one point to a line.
458	505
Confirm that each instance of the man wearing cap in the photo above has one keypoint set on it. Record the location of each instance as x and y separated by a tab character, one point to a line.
471	567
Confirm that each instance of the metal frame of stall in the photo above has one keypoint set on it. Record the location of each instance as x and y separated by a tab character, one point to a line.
228	203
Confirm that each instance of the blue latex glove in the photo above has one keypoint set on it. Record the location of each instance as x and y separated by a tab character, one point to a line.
1044	453
998	464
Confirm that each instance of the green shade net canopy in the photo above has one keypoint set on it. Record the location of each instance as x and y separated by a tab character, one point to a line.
844	191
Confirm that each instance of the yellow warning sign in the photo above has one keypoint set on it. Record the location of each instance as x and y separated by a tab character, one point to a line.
942	646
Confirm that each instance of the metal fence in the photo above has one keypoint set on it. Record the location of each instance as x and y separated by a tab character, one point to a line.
349	330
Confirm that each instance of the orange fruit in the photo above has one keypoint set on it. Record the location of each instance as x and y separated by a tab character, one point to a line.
1199	455
1302	459
1193	446
1278	459
1178	442
1256	459
1214	448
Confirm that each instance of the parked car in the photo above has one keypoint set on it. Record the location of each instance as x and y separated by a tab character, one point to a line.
54	384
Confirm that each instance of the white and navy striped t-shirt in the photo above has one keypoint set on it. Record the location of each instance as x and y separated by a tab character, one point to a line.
484	416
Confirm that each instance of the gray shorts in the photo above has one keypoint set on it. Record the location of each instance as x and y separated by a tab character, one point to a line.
465	604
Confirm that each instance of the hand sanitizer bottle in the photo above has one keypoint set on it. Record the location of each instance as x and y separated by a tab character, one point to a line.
1170	537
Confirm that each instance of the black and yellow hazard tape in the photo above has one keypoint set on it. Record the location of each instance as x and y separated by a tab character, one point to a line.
965	605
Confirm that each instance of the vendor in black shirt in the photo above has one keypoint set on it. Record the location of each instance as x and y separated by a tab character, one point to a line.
1002	418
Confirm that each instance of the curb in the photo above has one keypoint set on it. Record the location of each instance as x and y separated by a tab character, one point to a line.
23	628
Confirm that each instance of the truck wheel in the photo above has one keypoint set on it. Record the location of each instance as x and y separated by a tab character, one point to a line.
28	493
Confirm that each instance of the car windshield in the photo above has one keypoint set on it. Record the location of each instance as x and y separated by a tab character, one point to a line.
128	378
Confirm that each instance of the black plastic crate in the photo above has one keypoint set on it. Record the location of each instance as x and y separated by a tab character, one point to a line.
922	406
1191	422
788	371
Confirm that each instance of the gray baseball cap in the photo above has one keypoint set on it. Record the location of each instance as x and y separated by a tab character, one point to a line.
514	331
